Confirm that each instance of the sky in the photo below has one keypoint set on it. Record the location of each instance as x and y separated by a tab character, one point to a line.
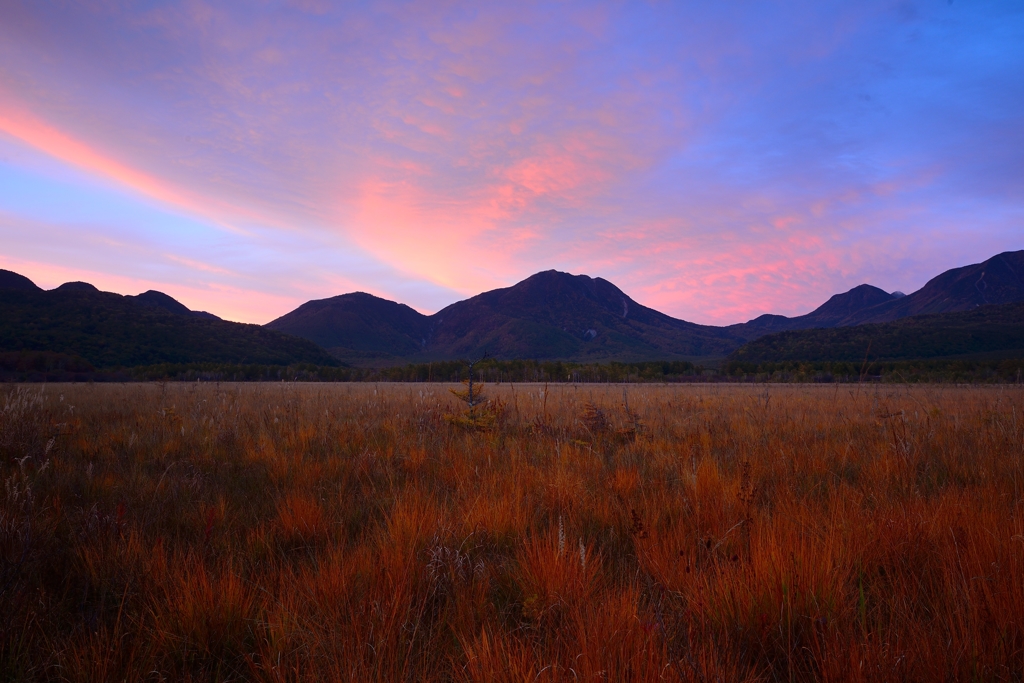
715	160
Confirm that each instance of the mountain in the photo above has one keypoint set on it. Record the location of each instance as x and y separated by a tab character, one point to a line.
12	280
842	306
76	287
548	315
553	315
357	324
557	315
110	330
152	298
983	330
834	312
155	299
999	280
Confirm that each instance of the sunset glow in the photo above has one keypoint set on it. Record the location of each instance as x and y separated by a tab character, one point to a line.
716	162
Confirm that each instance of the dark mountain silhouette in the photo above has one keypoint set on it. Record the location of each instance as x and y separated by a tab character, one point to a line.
842	306
155	299
109	330
76	287
358	324
548	315
833	312
12	280
557	315
979	331
152	298
999	280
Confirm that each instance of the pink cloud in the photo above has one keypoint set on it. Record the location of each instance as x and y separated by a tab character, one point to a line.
34	132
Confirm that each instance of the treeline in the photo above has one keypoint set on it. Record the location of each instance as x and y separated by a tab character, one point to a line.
47	366
495	371
988	329
945	370
55	367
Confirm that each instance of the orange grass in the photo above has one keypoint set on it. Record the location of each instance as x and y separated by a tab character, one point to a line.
351	532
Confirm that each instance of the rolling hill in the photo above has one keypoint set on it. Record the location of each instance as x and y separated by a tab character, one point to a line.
999	280
980	331
12	280
548	315
109	330
832	313
358	325
554	315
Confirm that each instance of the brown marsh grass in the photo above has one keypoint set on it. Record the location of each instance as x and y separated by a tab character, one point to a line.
351	532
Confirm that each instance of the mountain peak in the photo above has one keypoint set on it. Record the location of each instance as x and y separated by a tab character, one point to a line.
155	299
842	306
77	287
160	300
11	280
550	314
357	322
998	280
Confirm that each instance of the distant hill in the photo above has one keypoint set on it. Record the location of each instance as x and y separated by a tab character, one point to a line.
155	299
553	315
110	330
358	324
548	315
839	308
557	315
999	280
983	330
12	280
152	298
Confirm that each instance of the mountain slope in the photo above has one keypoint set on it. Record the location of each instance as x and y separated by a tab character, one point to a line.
833	312
548	315
985	329
557	315
999	280
155	299
357	322
553	315
109	330
844	306
12	280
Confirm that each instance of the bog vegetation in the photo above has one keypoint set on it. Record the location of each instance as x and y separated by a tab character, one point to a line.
43	366
365	533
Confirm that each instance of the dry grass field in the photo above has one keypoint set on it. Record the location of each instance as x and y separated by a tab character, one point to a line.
351	532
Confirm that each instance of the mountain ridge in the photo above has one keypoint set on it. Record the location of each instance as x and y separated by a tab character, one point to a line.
110	330
550	315
981	330
558	315
997	280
